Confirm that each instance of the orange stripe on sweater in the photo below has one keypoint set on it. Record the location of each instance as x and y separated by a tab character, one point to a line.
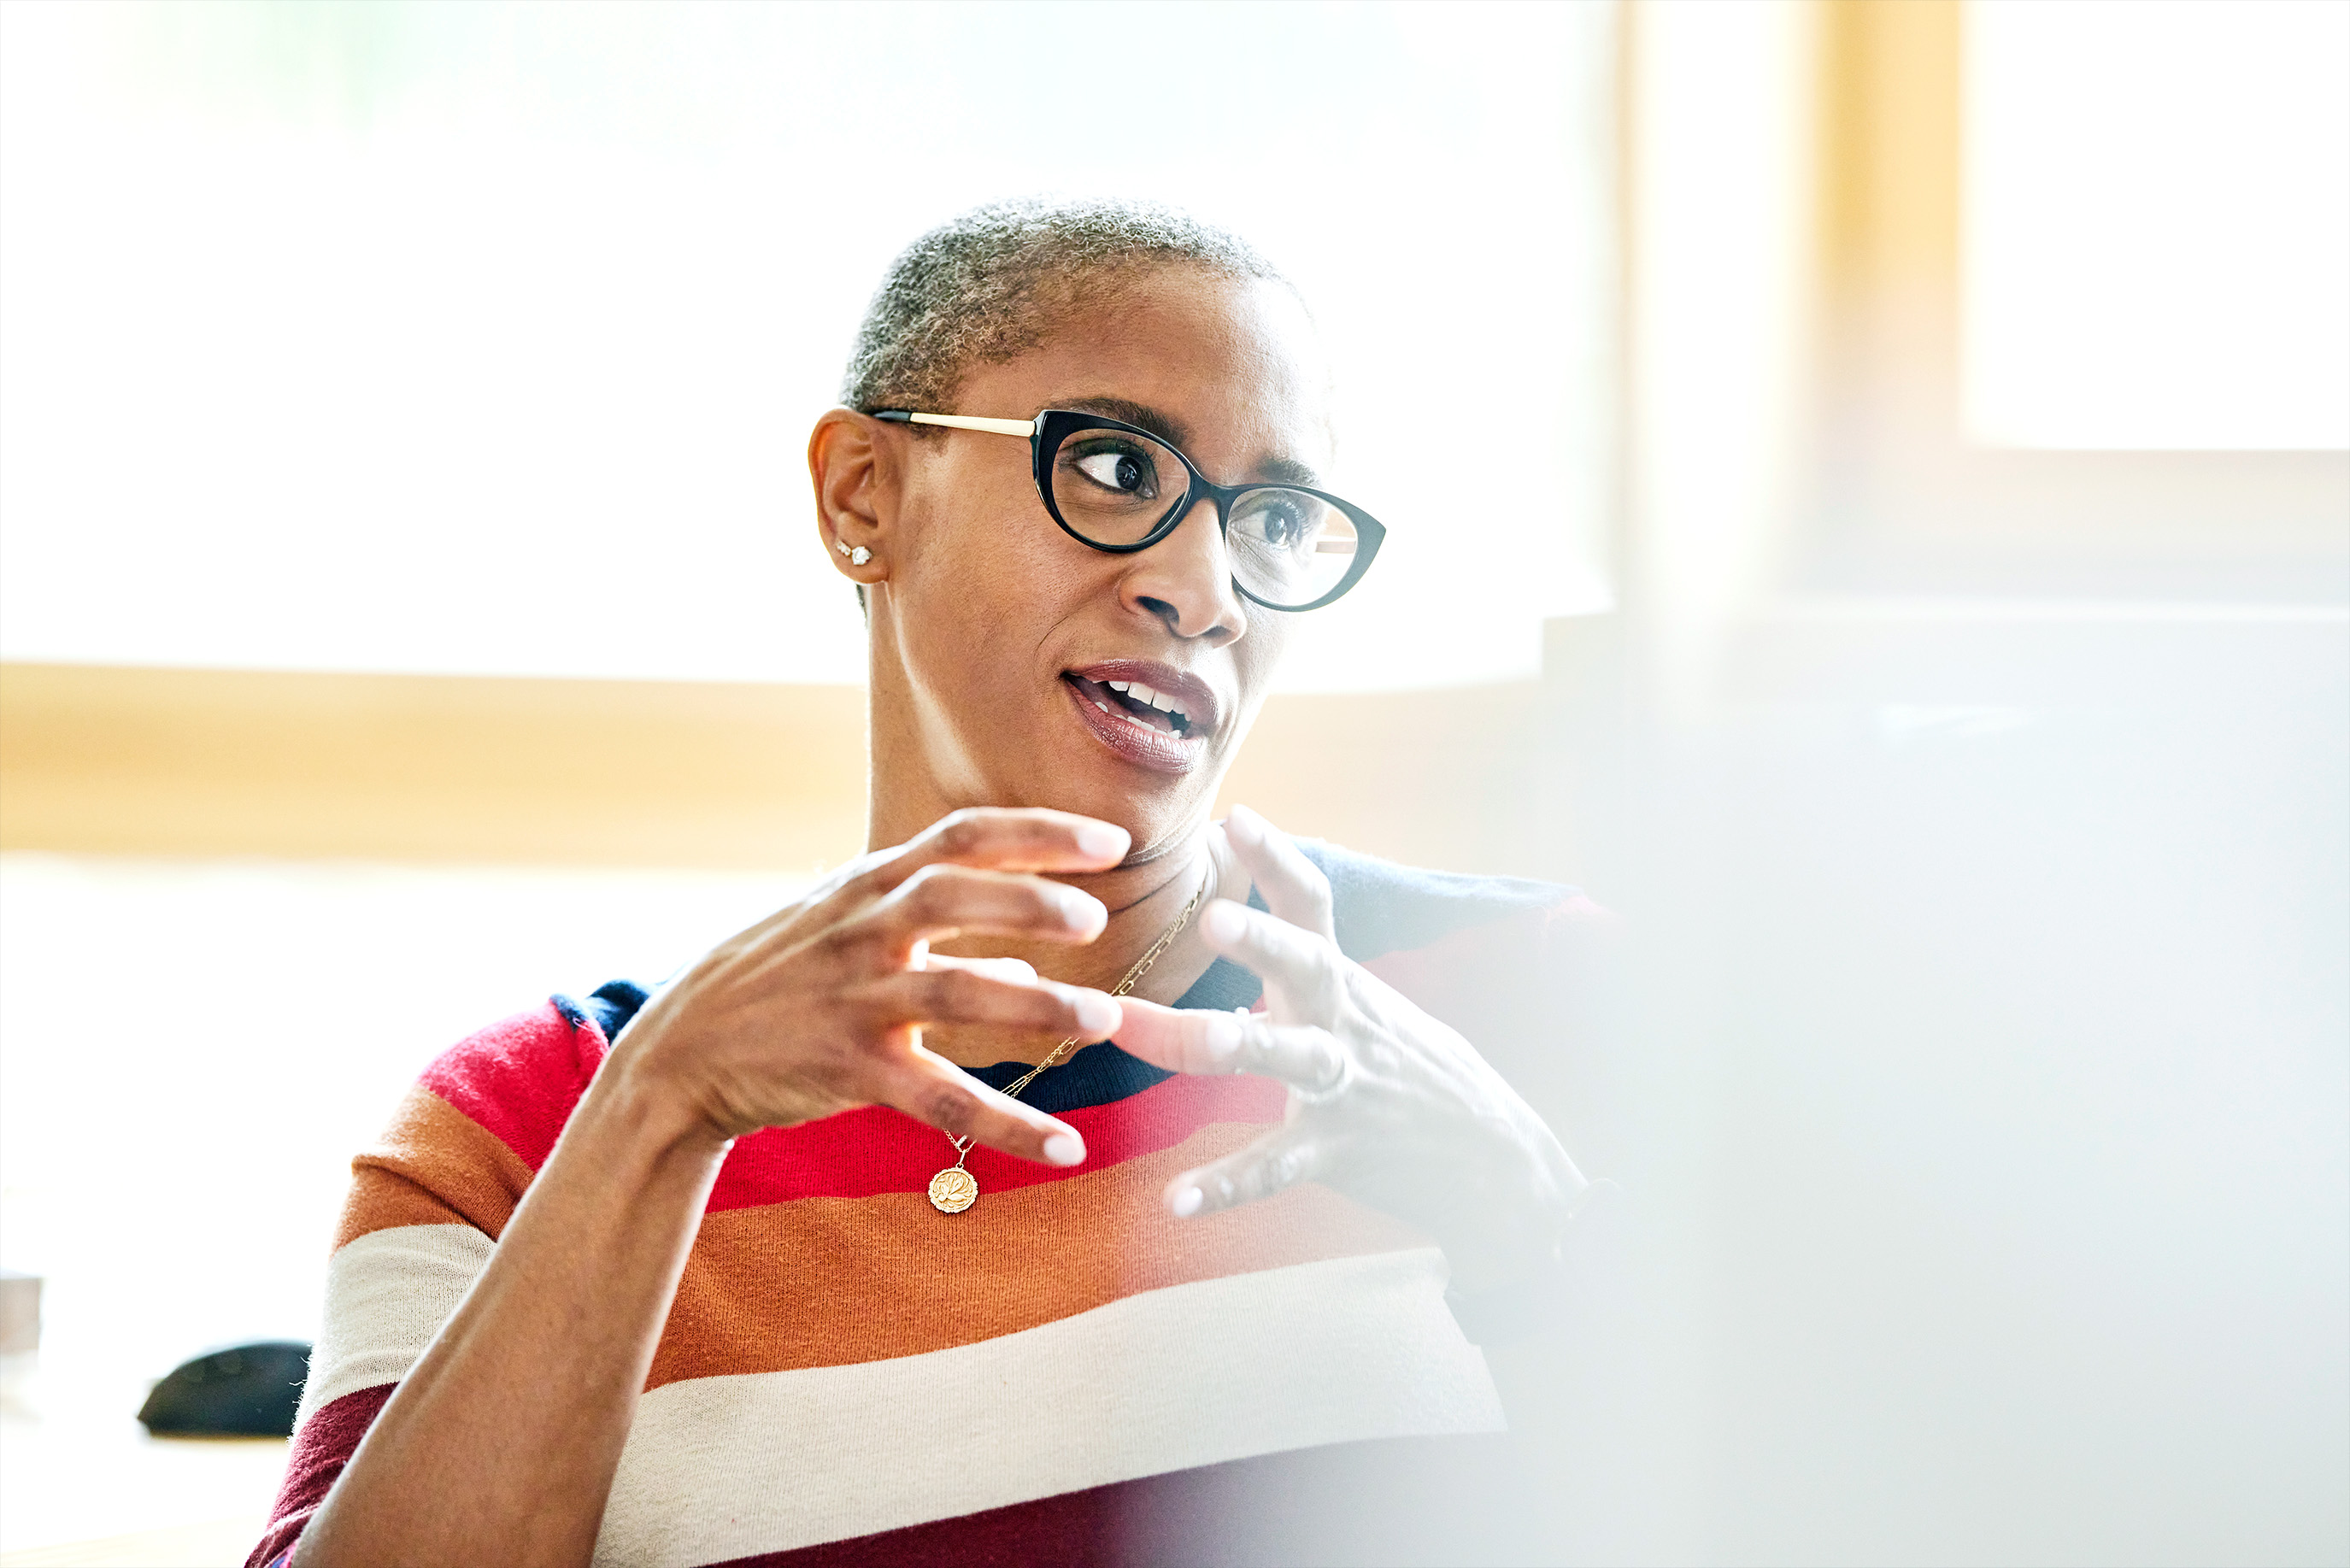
433	1166
828	1282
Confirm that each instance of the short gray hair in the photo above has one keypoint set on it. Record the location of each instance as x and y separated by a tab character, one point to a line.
983	288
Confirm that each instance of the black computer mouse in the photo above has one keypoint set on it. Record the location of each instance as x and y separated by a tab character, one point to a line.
244	1391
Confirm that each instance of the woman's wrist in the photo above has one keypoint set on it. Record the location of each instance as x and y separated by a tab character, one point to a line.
650	1113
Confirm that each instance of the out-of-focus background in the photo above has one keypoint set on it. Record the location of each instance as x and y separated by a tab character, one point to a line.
1905	569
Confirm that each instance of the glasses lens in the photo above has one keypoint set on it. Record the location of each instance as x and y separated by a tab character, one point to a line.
1290	547
1114	487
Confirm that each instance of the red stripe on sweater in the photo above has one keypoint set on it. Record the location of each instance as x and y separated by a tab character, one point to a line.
864	1153
520	1078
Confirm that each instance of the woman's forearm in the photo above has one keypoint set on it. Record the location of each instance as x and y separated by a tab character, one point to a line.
500	1446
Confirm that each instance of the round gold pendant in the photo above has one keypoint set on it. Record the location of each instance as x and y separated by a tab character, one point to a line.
954	1190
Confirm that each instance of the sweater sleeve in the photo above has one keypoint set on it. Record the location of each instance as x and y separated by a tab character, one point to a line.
1536	991
427	1204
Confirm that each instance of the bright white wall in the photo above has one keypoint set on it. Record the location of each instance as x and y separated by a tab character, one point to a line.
2157	224
270	1018
418	337
190	1055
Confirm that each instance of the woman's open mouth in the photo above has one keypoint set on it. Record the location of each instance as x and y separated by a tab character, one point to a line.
1152	709
1163	727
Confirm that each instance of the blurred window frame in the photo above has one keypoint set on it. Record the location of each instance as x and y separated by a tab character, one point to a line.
1893	499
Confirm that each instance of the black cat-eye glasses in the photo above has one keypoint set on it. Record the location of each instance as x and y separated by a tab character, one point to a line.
1119	488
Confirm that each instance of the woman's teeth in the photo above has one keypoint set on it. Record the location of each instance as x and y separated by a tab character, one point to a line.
1137	692
1141	705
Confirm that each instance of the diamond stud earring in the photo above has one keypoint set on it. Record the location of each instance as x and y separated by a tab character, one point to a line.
858	556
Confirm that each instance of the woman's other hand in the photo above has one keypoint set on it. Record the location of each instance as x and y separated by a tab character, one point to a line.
821	1007
1386	1104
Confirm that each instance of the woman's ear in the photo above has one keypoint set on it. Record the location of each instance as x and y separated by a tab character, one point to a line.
851	462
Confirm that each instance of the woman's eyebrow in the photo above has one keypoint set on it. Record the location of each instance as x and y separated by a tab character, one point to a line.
1288	470
1166	429
1174	432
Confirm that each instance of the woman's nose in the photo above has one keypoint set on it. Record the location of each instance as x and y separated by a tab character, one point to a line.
1186	581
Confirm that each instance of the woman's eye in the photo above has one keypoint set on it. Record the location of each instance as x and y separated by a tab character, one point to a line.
1280	525
1128	472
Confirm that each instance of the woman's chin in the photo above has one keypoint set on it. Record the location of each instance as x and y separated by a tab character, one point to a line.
1076	768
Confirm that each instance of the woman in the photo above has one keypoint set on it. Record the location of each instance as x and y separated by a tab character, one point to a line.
780	1267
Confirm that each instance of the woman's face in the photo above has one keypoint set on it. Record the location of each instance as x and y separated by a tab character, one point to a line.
998	638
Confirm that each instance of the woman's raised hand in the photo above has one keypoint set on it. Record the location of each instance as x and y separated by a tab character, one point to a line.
1386	1104
821	1007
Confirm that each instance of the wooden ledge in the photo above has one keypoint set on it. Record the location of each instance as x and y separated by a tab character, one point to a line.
207	763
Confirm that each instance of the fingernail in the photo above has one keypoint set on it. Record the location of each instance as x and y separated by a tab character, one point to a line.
1221	921
1184	1202
1083	911
1221	1035
1098	1014
1103	842
1065	1148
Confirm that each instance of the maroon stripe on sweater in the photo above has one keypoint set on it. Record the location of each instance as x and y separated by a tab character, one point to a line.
321	1448
1393	1501
1398	1499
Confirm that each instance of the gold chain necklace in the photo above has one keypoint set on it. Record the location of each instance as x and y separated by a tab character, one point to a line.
954	1189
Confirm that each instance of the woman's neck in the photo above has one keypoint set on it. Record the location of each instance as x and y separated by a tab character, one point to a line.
1143	902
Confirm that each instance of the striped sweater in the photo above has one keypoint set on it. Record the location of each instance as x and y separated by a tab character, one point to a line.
848	1376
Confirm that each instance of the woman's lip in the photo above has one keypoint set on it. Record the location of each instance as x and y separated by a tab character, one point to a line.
1197	698
1157	750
